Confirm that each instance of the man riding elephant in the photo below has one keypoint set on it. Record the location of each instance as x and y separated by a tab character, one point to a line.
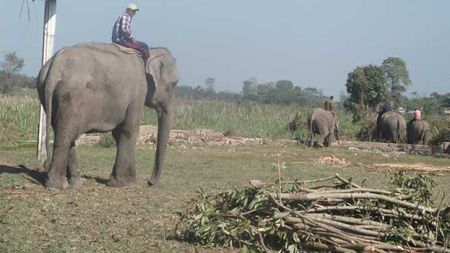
418	130
122	34
325	124
391	127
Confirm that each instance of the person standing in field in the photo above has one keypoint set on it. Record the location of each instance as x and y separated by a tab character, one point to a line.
122	34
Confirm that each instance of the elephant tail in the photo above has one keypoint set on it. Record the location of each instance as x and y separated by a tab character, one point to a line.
47	81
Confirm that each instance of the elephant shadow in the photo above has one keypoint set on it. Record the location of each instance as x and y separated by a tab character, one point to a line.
34	175
39	177
98	180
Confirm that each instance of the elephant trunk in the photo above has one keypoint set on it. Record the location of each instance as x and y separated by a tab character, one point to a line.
165	118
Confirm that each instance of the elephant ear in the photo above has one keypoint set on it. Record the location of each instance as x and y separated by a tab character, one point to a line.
154	68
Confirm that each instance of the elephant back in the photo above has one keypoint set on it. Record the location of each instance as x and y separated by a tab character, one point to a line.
320	117
393	126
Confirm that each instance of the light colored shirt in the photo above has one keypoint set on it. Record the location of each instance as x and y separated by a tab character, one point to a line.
417	114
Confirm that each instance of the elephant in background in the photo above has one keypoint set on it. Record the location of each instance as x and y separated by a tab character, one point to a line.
324	124
391	127
418	132
96	87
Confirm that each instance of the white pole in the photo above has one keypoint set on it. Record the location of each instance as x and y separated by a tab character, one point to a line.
47	52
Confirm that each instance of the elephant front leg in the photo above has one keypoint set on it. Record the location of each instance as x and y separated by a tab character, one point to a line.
124	173
322	138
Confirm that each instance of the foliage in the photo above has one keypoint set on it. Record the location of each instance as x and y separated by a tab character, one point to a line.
366	86
420	186
396	75
366	127
430	105
442	136
282	92
106	141
10	78
284	217
19	118
298	128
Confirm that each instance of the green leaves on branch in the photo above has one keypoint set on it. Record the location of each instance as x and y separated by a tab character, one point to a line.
326	214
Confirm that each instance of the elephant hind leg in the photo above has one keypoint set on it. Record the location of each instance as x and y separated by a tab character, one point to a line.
73	173
322	138
66	126
56	175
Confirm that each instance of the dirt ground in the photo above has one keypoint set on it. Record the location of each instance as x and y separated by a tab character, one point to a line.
97	218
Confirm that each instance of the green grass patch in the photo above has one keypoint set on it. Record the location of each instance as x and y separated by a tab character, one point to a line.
143	219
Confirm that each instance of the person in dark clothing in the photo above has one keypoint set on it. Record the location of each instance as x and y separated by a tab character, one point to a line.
383	107
122	34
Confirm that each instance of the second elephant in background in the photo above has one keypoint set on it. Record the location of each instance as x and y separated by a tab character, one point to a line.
322	125
391	128
418	132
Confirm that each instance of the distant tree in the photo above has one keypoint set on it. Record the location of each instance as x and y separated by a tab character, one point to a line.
446	100
12	63
284	84
377	87
10	77
313	91
210	85
262	92
249	88
282	93
366	86
397	76
182	91
356	87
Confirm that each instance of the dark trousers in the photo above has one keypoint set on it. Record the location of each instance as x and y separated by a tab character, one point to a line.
138	45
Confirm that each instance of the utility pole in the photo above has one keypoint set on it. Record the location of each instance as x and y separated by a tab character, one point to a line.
47	52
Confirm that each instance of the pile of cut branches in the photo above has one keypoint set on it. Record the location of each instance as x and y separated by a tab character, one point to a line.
331	214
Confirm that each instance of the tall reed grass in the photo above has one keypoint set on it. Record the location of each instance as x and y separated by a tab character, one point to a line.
19	118
247	119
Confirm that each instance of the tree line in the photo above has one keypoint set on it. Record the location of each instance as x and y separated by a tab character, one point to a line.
280	92
365	86
11	79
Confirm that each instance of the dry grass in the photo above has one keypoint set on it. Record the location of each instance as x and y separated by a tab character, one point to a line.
97	218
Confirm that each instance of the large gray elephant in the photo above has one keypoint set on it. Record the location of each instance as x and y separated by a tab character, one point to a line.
325	124
391	127
96	87
418	132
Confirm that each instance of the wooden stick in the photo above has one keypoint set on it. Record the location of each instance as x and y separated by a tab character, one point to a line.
317	196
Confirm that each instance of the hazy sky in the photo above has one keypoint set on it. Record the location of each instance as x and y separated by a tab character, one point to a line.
310	42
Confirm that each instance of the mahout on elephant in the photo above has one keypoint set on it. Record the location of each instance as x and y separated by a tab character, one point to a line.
418	132
322	125
95	87
391	127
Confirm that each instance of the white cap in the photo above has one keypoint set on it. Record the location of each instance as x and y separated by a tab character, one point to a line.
132	7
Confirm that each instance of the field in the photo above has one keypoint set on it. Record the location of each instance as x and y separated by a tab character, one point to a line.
144	219
97	218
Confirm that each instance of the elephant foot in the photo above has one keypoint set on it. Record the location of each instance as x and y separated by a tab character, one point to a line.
121	182
75	182
151	181
56	184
